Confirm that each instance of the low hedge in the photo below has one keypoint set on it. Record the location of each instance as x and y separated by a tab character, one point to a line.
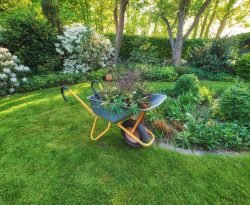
51	80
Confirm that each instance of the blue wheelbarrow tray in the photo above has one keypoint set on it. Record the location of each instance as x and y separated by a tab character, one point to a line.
97	106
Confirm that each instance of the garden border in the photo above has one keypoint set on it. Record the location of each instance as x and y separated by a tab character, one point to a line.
198	152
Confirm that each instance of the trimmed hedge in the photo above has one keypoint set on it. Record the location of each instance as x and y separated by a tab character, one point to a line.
134	42
131	42
51	80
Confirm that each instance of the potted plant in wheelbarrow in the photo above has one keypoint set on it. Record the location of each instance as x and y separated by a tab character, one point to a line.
127	97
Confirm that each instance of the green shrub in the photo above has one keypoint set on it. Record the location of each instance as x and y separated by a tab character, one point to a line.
244	41
186	83
144	52
33	41
235	103
215	56
52	80
211	135
97	74
160	74
159	45
242	66
205	95
213	76
188	98
178	108
181	70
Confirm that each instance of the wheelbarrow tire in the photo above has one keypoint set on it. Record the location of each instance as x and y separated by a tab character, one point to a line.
140	131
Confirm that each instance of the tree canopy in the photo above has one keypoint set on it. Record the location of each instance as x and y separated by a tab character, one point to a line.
142	16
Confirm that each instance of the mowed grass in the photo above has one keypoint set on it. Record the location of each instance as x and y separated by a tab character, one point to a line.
47	157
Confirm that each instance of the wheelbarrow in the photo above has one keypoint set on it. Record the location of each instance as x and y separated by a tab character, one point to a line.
134	133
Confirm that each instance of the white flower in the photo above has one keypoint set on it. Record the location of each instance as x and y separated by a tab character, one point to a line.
26	68
13	75
24	79
11	90
4	50
11	70
82	52
3	76
14	58
13	80
6	70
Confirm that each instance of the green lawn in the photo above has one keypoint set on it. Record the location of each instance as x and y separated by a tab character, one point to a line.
46	157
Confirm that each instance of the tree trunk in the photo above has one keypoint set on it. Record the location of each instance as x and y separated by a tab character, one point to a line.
177	44
204	23
115	11
197	17
177	53
51	12
177	48
211	19
118	39
195	31
225	17
221	27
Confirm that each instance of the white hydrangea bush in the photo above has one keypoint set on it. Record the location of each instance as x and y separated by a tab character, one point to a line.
83	49
12	74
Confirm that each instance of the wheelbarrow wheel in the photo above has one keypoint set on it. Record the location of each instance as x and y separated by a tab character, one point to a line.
140	132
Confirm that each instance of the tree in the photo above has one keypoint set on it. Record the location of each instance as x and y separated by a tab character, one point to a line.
181	9
232	12
50	10
6	5
211	19
119	20
227	13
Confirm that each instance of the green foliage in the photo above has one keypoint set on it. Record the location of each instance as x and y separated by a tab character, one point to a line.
162	49
242	66
177	108
213	135
181	70
235	103
186	83
152	49
204	74
213	76
98	74
127	92
33	41
205	95
217	56
244	41
50	10
6	5
159	74
51	80
144	52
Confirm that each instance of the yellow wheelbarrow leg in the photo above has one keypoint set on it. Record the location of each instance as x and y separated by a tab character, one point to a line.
93	129
138	121
135	138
